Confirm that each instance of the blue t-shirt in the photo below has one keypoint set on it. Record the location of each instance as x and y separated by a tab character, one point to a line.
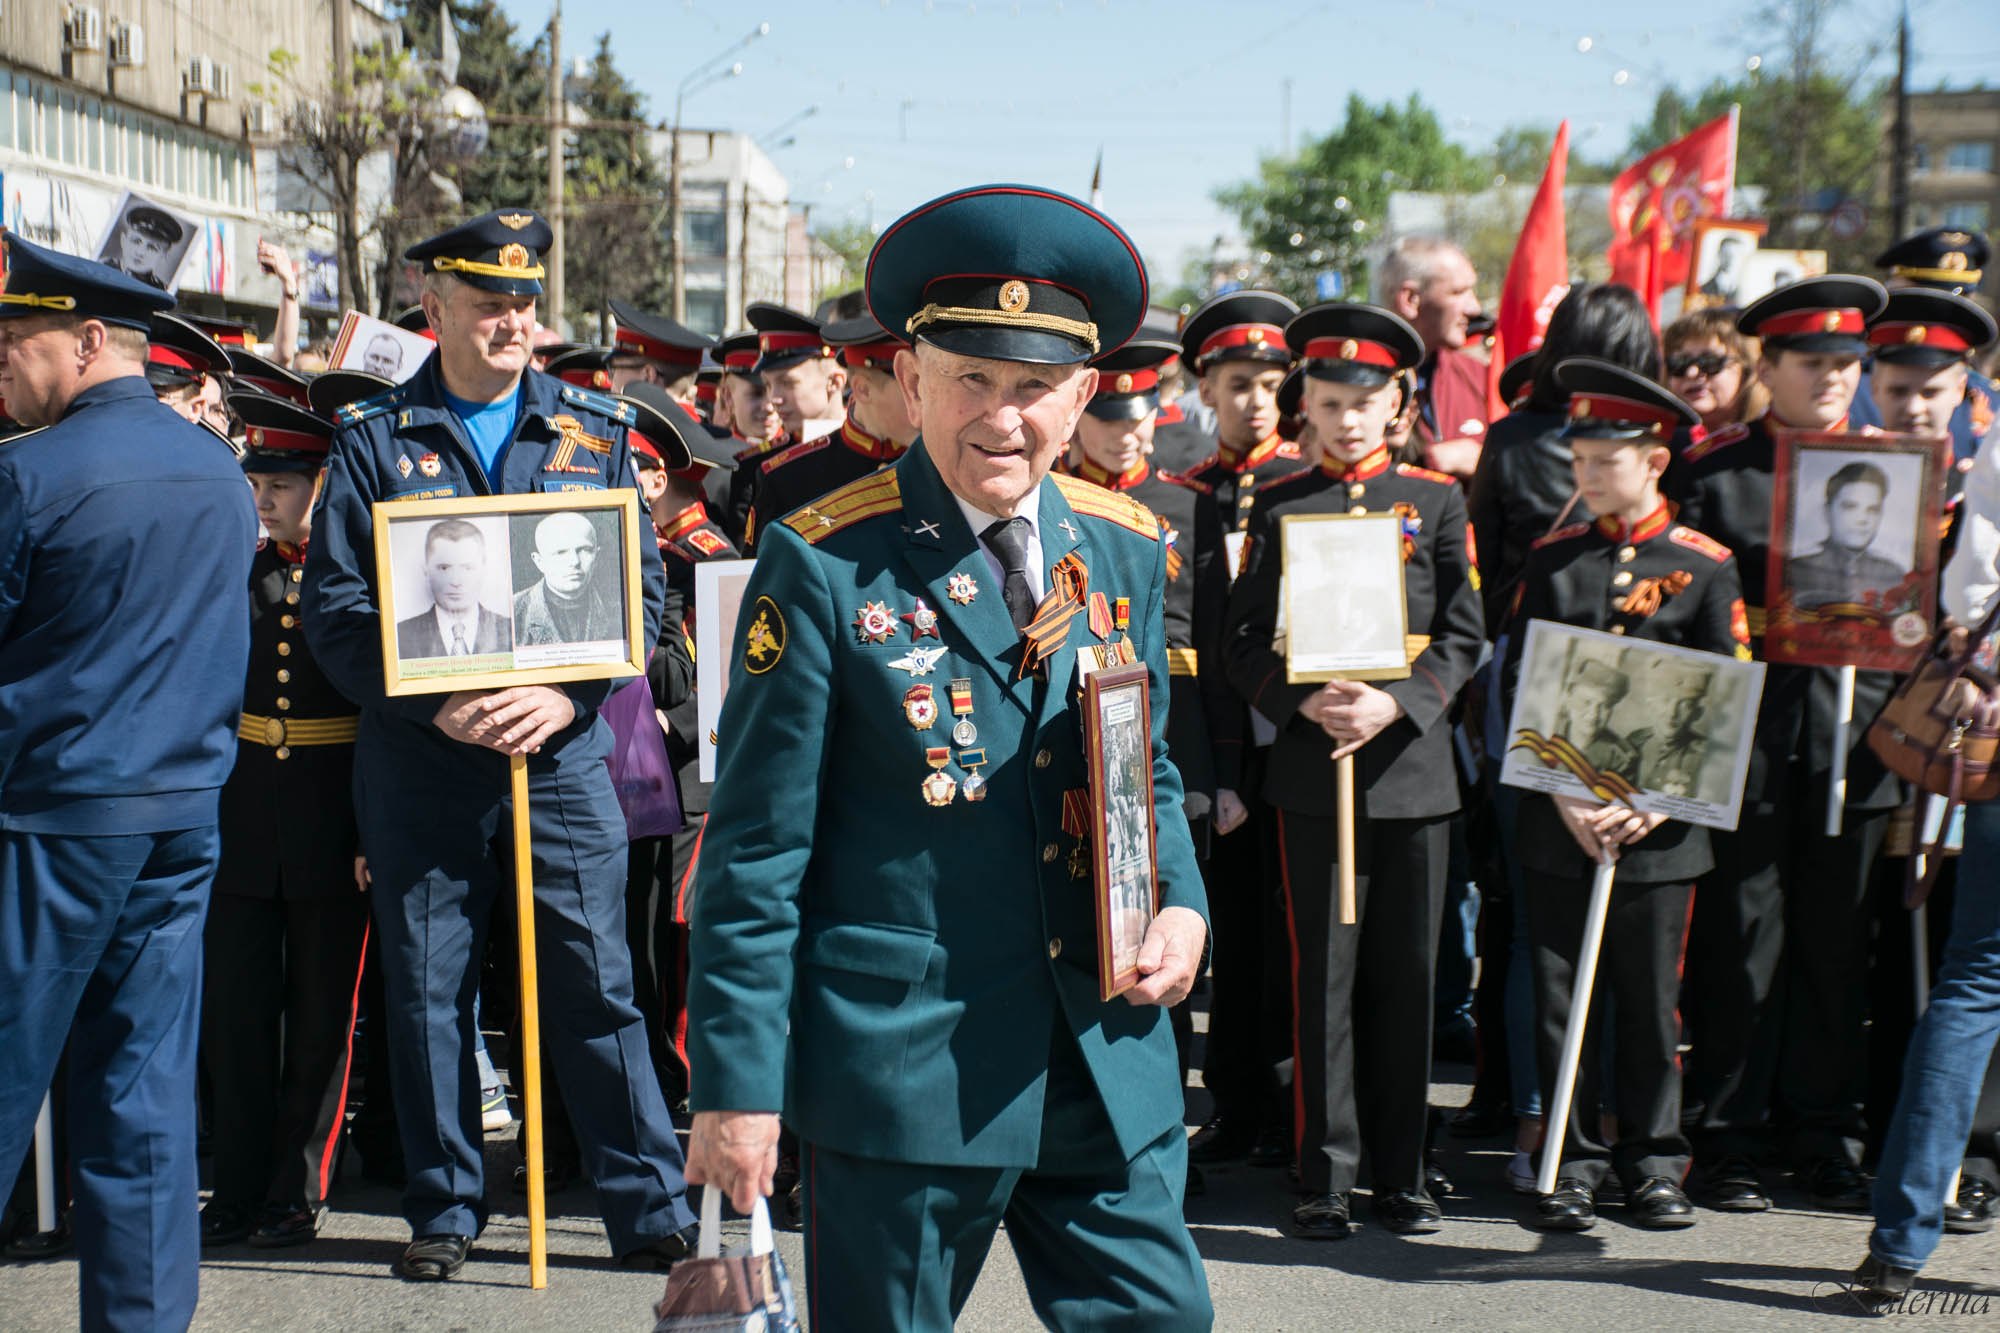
488	428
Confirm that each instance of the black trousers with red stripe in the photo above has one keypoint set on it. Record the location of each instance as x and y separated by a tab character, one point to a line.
281	981
1637	992
1361	1078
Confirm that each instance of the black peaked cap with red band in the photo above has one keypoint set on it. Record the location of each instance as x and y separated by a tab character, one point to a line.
656	337
1238	326
737	353
672	435
331	390
279	436
862	341
263	373
580	364
1128	380
1824	314
784	336
1350	343
1923	326
1609	402
179	354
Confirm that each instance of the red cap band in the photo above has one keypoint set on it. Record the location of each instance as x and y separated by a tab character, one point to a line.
1127	381
1627	411
1351	349
1910	334
1794	322
739	360
861	354
642	446
704	392
597	378
161	355
635	343
272	440
788	342
1245	335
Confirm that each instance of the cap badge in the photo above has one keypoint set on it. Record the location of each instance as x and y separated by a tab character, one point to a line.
600	379
513	255
254	437
1580	408
1953	260
1830	321
1953	237
1123	384
1013	296
515	221
1256	337
1917	333
1348	348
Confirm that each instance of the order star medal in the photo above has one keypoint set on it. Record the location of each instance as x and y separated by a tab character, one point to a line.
940	787
923	621
920	707
873	623
961	589
919	661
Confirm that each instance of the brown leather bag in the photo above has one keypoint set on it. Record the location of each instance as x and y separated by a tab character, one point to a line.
1923	740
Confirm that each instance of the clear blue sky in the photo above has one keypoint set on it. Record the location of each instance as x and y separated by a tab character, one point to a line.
925	96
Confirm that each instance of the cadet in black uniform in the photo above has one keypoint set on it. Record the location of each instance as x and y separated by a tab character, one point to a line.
1235	344
654	349
1632	571
877	430
180	358
1363	993
288	920
1782	889
745	412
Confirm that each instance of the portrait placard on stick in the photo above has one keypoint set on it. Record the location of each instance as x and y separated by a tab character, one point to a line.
1344	615
378	347
1118	754
1665	729
718	601
1853	576
1722	250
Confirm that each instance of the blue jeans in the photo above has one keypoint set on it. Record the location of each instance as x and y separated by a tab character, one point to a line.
1946	1063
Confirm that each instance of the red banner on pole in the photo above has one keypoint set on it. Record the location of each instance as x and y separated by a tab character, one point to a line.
1537	276
1692	177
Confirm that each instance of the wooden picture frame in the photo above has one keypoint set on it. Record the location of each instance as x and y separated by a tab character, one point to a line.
1829	602
1710	234
518	629
1118	756
1343	609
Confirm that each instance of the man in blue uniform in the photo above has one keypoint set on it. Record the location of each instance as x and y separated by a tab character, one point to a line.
125	542
899	950
431	776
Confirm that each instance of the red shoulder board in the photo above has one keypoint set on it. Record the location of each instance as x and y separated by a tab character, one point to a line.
1205	464
1695	541
795	453
1288	449
1728	435
1425	474
708	543
1179	479
1559	535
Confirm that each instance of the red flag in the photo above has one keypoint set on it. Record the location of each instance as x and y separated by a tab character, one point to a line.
1692	177
1537	276
1639	261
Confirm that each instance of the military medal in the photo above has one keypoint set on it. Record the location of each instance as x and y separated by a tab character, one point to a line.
919	661
1121	615
963	733
939	787
975	781
429	465
403	465
923	621
1100	616
873	623
919	707
961	589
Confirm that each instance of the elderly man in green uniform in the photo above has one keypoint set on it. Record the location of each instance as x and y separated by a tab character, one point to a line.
898	952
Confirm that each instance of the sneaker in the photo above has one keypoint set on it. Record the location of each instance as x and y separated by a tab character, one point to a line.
1521	1172
493	1112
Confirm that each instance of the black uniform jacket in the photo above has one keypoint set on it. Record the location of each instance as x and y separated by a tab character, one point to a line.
288	808
1236	478
1723	485
1407	771
793	478
1657	580
688	539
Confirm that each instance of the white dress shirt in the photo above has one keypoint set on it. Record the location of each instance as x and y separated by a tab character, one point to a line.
1973	576
1031	509
467	622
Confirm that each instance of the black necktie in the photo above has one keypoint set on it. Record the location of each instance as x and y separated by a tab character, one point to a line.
1008	539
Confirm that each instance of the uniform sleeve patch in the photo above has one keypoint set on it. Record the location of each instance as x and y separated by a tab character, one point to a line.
1695	541
707	542
764	641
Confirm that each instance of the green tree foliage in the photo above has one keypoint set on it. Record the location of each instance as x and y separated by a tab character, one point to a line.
615	235
851	241
1318	209
511	81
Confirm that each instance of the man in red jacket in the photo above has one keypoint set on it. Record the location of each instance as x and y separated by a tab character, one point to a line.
1429	282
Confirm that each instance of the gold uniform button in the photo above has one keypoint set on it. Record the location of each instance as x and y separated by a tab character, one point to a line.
298	576
283	752
1355	490
1627	553
1358	509
1245	500
284	649
1055	948
1048	853
284	704
1621	578
292	597
1043	758
284	676
1617	629
288	621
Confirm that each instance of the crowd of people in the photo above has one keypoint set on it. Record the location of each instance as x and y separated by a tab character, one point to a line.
256	895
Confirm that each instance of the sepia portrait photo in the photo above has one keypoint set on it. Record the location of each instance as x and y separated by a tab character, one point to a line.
1342	608
1663	728
1722	250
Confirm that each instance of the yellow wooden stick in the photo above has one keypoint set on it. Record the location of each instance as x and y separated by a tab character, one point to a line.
530	1073
1344	771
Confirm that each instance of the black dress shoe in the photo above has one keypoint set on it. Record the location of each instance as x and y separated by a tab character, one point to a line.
1220	1140
1271	1148
1971	1212
657	1256
1877	1281
41	1244
281	1226
1837	1186
1481	1120
1660	1205
1568	1209
556	1177
1732	1186
1322	1217
434	1258
1409	1214
226	1224
1436	1183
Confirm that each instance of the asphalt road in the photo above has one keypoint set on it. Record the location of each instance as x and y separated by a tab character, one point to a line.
1485	1270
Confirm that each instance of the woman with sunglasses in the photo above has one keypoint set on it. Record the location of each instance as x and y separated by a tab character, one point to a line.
1708	365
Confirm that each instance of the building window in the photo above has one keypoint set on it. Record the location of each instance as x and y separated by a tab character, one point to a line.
1920	159
1967	217
707	233
1971	155
707	312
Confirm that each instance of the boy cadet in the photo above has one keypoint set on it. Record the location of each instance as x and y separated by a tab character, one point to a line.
122	650
180	358
803	381
1780	887
431	775
1235	345
653	349
1362	993
746	410
287	923
951	1063
1924	343
876	432
1951	261
1633	571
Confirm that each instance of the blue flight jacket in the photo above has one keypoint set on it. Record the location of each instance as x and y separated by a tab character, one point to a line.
126	534
406	444
889	971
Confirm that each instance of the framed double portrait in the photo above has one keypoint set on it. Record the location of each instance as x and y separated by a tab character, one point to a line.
485	592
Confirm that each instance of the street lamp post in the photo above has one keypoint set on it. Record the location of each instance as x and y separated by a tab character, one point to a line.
700	77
